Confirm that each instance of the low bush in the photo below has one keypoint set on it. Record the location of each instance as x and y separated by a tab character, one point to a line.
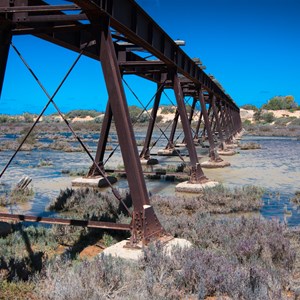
168	109
250	146
268	117
246	123
64	146
249	107
284	120
16	195
82	113
87	204
23	252
239	258
295	122
212	200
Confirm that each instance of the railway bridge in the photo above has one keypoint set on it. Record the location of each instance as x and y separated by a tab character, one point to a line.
126	41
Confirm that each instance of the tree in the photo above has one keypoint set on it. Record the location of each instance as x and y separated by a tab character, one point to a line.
280	102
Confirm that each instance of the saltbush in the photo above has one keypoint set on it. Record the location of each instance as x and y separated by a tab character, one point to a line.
240	258
212	200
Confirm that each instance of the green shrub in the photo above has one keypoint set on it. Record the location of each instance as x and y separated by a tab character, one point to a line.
257	115
168	109
28	118
4	118
137	114
268	117
17	196
249	107
247	123
82	113
159	119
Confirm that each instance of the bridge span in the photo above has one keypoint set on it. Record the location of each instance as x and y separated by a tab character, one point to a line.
126	41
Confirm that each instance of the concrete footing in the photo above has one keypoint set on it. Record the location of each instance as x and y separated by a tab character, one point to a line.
118	250
187	187
93	182
215	164
180	145
149	162
168	152
227	152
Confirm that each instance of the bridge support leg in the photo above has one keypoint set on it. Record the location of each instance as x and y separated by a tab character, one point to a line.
94	177
5	39
191	114
197	180
226	122
145	153
224	148
102	141
170	148
215	161
205	124
145	225
196	135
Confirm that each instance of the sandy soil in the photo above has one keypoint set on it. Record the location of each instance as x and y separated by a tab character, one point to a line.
248	114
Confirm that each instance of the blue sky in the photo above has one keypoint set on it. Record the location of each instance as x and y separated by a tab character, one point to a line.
251	47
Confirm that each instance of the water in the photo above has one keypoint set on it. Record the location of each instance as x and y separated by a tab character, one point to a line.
275	167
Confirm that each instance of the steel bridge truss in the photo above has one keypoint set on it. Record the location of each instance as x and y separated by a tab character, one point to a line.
113	32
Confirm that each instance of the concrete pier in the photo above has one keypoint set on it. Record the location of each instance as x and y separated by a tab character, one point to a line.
211	164
118	250
99	182
187	187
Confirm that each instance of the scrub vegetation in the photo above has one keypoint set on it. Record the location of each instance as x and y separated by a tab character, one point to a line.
240	257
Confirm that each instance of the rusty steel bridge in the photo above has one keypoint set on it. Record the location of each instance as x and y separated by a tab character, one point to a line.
112	32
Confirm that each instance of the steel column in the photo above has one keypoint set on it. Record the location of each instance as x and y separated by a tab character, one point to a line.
197	173
219	128
210	122
224	125
191	114
229	122
196	136
212	151
102	142
170	144
142	229
145	153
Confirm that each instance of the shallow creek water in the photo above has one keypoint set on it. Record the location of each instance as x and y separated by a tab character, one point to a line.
276	167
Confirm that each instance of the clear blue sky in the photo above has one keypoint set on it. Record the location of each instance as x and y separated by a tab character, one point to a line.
251	46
